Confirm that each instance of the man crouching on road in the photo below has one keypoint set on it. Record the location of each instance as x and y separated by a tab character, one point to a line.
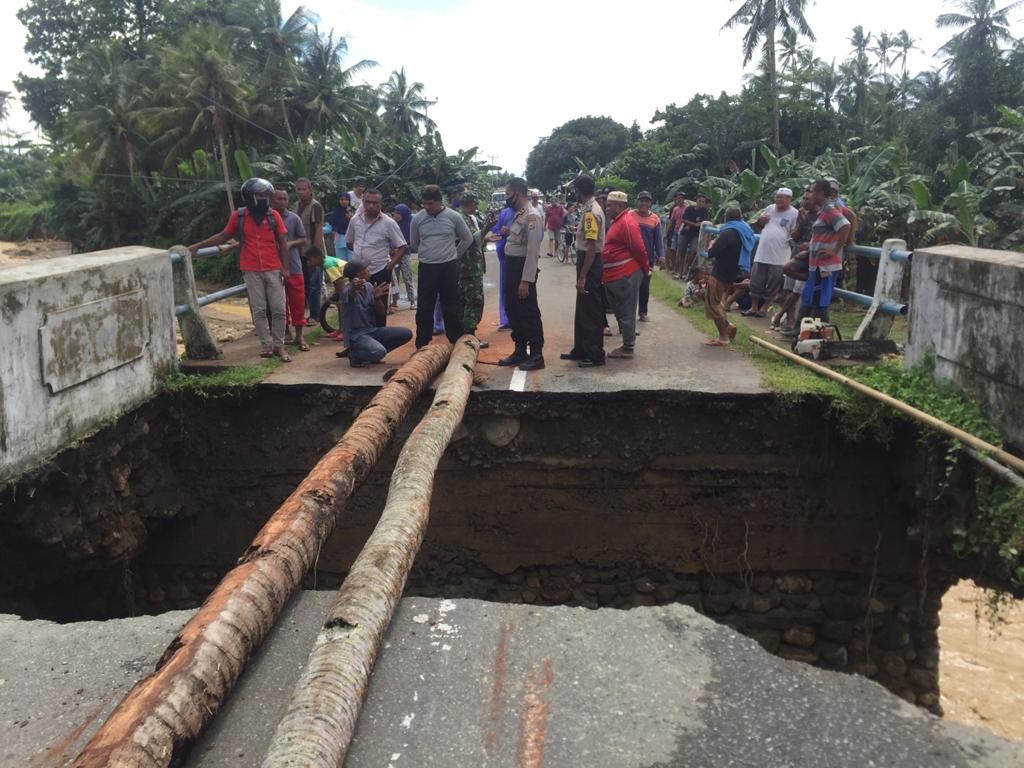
367	343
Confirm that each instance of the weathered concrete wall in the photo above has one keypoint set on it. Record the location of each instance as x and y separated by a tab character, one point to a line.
968	305
84	339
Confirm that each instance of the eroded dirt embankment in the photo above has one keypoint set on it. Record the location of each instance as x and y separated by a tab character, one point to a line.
755	510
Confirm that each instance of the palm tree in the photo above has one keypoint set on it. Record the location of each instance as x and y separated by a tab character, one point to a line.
986	26
973	53
884	44
904	44
790	50
824	84
329	98
763	19
860	40
107	124
282	41
403	107
204	82
5	112
856	78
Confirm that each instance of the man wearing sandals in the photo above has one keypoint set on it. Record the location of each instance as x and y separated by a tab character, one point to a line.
725	254
624	265
263	259
777	222
294	284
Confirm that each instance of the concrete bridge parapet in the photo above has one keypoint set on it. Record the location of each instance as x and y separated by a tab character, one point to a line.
85	338
967	304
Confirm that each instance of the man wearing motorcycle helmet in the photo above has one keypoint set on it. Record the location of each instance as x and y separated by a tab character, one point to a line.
262	258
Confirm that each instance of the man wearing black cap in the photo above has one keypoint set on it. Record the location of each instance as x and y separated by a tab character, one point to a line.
689	233
366	342
589	319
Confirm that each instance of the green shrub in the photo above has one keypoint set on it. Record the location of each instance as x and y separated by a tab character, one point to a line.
222	270
22	220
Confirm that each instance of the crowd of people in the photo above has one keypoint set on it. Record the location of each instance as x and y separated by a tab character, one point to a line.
365	253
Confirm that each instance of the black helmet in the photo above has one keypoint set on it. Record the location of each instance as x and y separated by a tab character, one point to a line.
255	186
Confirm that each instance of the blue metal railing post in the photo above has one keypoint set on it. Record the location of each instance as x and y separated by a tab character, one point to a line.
877	323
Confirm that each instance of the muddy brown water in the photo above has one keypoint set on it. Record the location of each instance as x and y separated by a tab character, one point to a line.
31	250
982	663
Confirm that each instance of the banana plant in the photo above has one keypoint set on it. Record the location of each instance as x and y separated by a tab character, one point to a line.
961	218
721	193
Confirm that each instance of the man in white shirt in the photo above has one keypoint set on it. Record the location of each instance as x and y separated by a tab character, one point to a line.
778	222
356	195
377	242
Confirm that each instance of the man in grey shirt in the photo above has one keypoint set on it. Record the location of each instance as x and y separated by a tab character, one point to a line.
376	241
440	236
294	284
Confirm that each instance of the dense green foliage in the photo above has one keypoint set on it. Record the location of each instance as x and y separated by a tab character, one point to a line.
157	109
995	533
929	158
592	141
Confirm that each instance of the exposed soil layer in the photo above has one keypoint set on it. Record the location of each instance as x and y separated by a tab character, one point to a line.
755	510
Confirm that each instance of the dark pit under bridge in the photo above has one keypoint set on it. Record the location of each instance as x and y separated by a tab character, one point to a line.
756	510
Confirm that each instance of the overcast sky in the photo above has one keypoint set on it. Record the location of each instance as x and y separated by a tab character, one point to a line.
503	81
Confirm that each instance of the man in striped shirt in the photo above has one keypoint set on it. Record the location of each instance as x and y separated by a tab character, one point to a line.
825	256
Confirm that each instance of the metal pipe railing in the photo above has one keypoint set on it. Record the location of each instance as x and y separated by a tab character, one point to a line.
210	298
213	250
225	293
876	253
889	307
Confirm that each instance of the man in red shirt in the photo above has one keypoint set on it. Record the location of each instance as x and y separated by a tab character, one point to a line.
554	215
675	221
625	264
263	260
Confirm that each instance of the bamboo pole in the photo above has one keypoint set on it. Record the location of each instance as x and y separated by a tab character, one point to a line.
321	718
967	438
157	720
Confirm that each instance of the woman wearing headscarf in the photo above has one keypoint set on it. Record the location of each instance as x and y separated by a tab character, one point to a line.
338	221
403	215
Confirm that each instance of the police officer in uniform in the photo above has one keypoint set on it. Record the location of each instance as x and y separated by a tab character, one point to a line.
522	251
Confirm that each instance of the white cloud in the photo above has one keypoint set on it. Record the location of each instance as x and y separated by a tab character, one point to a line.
504	79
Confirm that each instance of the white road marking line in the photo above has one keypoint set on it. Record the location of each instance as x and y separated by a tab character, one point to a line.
518	380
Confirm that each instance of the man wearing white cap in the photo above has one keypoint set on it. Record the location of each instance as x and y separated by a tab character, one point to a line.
624	265
777	222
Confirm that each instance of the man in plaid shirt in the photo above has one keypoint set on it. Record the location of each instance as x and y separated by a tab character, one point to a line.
825	255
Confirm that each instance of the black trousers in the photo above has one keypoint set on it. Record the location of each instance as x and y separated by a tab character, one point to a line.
523	314
380	306
645	294
432	281
590	320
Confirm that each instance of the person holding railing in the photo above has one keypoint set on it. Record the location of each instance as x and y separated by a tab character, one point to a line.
263	260
829	235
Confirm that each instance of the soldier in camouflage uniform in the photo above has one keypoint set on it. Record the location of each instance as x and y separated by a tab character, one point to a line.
471	270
